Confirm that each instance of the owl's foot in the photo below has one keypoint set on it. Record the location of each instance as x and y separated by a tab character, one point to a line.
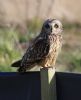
47	67
22	69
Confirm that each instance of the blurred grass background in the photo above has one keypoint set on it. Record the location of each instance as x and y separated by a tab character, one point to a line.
22	22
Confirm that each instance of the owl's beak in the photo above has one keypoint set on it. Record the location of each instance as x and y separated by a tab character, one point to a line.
51	28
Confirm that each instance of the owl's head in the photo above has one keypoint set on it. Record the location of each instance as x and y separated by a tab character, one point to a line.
52	26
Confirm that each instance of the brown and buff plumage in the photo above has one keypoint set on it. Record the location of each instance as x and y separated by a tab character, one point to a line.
43	51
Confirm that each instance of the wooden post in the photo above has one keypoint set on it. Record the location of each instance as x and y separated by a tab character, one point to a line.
48	84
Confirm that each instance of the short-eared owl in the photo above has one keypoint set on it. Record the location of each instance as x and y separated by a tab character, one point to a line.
44	49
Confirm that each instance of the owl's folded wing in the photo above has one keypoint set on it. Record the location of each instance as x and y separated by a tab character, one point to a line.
36	52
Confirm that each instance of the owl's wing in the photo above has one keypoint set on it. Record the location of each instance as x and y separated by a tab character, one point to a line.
36	52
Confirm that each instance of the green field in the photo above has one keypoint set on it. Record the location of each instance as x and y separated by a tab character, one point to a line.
13	44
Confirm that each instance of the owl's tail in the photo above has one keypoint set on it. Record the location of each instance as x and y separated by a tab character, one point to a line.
16	64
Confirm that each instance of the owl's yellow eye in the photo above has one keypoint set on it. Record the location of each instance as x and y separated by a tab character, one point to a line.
56	26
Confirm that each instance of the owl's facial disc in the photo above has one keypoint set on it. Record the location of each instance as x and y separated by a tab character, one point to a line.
48	28
56	27
52	26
